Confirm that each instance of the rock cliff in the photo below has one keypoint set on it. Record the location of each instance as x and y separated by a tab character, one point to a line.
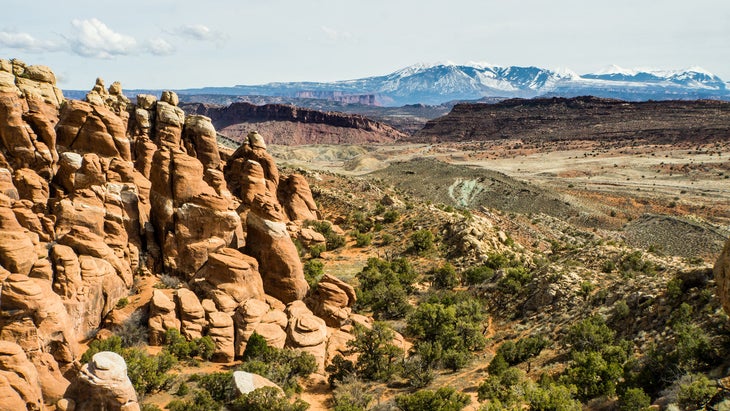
290	125
95	194
581	118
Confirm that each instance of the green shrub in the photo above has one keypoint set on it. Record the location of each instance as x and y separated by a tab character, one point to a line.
391	216
361	222
219	385
313	271
634	399
339	370
695	392
256	348
552	397
445	277
591	334
282	366
384	287
378	358
446	331
147	373
634	263
608	266
386	239
417	371
113	344
123	302
316	250
363	239
177	345
351	395
478	275
498	365
514	280
421	241
525	348
443	399
266	399
202	401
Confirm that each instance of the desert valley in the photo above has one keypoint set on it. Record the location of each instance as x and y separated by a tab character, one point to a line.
336	248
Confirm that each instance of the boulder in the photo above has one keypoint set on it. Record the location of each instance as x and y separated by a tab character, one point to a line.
306	332
230	272
191	314
245	382
20	387
169	123
220	329
295	197
31	187
200	138
332	300
258	316
721	272
103	384
281	270
36	319
162	317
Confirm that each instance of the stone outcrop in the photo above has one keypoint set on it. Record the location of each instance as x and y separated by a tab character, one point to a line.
162	317
245	382
260	317
20	387
191	314
332	300
307	332
269	242
229	278
721	272
220	329
95	194
103	385
296	198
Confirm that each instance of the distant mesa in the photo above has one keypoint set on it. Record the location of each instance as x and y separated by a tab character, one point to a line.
582	118
290	125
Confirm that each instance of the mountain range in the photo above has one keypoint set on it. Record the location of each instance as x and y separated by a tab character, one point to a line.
443	82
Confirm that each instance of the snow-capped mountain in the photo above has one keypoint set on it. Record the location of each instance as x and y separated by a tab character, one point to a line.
442	82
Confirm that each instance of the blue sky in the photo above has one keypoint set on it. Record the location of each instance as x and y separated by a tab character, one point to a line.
181	43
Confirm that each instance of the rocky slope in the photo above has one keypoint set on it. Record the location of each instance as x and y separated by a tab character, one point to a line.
289	125
97	195
582	118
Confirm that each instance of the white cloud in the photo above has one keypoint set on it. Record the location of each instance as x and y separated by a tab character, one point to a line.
26	42
334	34
198	32
160	47
93	38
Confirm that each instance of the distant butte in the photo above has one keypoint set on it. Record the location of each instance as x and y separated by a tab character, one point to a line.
581	118
290	125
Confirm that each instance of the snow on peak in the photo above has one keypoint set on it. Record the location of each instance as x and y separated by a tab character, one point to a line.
615	69
698	70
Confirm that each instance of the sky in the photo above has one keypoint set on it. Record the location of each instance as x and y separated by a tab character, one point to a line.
176	44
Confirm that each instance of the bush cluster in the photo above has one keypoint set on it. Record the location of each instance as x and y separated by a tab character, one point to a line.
384	287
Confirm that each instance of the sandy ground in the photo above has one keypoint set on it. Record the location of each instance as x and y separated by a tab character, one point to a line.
696	177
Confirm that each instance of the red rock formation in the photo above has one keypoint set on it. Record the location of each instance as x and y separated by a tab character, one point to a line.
95	193
290	125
